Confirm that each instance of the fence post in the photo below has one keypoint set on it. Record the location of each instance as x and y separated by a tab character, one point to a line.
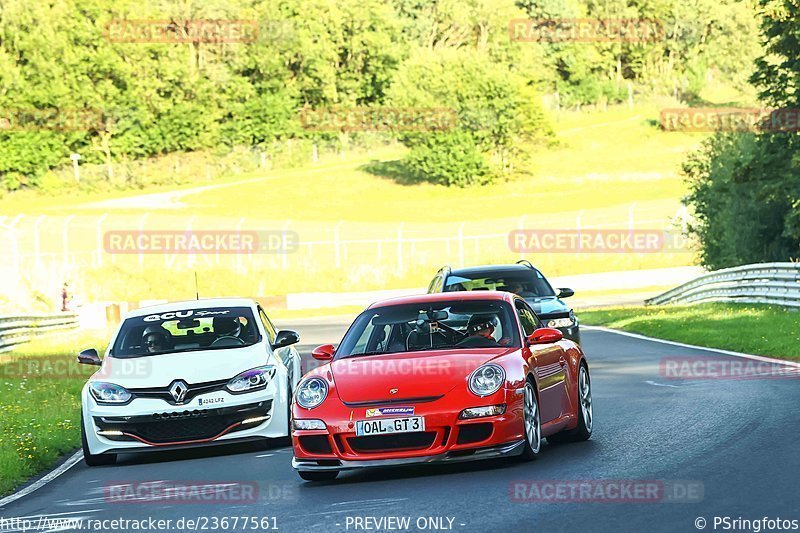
141	229
239	255
17	262
400	249
336	245
100	239
284	259
37	239
65	238
631	216
461	245
190	259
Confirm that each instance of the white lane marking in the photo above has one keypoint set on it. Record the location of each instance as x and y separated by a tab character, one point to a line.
661	384
265	455
69	463
695	347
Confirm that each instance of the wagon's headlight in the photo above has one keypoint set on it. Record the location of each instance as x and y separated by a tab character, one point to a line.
109	393
487	379
561	322
251	380
311	393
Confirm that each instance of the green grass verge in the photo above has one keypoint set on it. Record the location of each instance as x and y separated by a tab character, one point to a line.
756	329
40	389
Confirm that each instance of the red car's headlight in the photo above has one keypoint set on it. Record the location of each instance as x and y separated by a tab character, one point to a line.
311	392
487	379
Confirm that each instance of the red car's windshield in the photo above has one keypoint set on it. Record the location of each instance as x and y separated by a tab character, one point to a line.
431	326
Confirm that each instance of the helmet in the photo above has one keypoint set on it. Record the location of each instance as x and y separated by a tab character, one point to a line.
479	323
164	336
228	326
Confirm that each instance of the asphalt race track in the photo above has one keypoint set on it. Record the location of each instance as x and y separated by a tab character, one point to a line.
734	443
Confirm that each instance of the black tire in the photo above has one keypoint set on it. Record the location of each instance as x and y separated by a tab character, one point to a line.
94	460
532	434
325	475
584	429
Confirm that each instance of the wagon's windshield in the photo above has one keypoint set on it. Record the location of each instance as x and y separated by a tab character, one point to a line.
436	326
527	284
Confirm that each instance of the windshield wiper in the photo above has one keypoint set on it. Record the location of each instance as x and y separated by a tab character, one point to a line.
365	354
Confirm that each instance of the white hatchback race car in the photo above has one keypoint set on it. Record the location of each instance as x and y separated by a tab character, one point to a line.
186	374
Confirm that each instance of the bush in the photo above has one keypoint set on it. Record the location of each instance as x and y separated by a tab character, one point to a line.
744	189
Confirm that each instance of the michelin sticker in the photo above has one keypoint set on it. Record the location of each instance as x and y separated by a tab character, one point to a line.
390	411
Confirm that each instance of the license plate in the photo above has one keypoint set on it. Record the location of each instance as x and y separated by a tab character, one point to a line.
382	426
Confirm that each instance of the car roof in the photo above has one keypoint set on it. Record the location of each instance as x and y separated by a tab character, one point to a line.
192	304
491	269
459	296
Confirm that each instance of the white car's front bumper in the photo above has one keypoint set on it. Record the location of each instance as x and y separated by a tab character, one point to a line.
150	424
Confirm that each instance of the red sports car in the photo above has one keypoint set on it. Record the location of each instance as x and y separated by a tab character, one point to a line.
439	378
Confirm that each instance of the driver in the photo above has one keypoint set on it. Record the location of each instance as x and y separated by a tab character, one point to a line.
481	326
227	326
155	339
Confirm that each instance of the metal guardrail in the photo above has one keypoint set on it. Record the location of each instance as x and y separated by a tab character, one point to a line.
15	330
767	283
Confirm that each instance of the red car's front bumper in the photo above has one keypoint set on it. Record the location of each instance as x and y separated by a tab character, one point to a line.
446	438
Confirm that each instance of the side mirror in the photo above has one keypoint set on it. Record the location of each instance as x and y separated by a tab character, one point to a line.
565	293
323	353
545	336
89	357
285	337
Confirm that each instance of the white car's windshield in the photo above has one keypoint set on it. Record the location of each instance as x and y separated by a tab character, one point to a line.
432	326
186	330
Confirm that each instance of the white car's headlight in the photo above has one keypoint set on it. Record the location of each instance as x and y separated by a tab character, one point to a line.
311	392
251	380
561	322
487	379
109	393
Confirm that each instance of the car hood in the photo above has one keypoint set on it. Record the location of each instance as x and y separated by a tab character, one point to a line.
414	375
193	367
548	306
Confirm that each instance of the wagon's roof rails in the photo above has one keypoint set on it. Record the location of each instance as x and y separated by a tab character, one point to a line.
525	262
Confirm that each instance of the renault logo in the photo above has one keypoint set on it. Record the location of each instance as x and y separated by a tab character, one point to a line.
178	390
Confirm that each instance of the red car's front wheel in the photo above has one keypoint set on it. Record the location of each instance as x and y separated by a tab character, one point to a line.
532	423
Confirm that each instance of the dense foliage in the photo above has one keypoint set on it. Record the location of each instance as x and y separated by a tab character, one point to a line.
152	98
745	187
